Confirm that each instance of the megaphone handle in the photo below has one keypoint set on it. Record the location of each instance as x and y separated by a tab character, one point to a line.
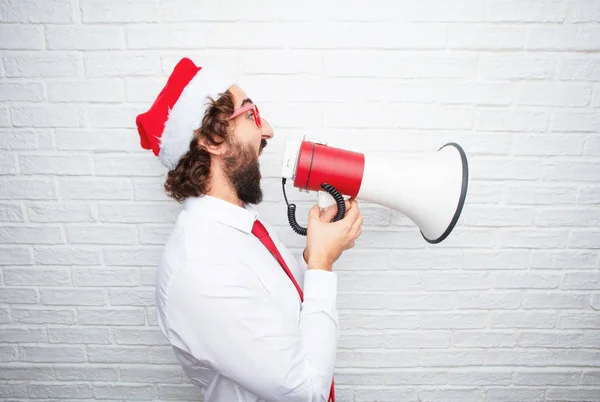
339	199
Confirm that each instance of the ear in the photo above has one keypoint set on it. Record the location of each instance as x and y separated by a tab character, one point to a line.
217	150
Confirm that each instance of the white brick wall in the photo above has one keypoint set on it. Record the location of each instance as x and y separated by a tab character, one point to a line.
507	309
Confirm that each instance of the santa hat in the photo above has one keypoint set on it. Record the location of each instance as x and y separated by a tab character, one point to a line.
168	126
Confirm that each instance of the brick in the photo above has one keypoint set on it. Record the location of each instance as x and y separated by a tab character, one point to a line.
86	373
510	394
132	297
132	257
592	146
4	316
175	391
563	37
540	195
27	188
48	116
126	336
117	116
23	92
16	256
150	190
72	297
85	37
547	377
52	354
120	64
486	37
502	357
579	320
454	320
484	339
119	11
76	335
517	67
8	354
60	212
534	239
580	70
23	335
123	391
510	319
574	217
18	296
15	390
26	371
583	11
571	394
42	316
558	94
66	256
485	301
130	165
11	213
8	164
30	235
147	374
386	64
118	354
381	281
590	377
59	390
502	259
21	37
21	64
74	188
24	139
520	280
581	281
385	394
106	316
487	216
93	90
550	340
575	121
410	340
143	89
439	281
526	11
573	171
475	377
560	300
138	213
30	11
106	277
96	234
497	119
585	239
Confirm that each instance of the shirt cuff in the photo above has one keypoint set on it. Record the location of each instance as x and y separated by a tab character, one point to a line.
320	284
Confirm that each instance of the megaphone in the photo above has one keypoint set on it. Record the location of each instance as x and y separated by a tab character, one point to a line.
429	190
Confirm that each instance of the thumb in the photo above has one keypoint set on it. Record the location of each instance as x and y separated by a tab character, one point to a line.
329	213
314	212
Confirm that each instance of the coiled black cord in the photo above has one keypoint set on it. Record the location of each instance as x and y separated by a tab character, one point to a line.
291	208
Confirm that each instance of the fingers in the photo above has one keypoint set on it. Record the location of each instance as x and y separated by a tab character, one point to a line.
356	228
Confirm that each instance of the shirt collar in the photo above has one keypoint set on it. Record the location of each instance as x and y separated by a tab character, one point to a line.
223	211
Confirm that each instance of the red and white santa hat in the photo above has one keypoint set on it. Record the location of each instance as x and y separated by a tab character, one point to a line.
168	126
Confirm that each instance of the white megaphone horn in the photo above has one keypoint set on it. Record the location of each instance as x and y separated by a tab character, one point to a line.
430	190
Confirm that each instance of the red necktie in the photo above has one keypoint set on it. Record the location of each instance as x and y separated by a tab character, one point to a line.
259	231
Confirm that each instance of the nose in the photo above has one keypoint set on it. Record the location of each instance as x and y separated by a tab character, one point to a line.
266	129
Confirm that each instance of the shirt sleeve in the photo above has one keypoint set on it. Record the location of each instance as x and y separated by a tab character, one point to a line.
222	314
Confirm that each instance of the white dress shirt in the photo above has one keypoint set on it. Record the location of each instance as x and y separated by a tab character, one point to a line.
233	316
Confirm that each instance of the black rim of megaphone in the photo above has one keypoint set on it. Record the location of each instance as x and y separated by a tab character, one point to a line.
463	194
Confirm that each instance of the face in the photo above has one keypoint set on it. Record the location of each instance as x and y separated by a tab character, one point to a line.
247	142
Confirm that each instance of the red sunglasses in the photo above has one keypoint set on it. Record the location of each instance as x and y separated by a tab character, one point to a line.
255	113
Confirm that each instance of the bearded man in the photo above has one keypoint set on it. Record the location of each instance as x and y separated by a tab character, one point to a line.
246	320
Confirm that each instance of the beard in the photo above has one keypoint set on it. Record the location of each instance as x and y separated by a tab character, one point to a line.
243	172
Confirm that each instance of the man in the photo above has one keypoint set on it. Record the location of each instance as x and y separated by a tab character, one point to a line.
244	325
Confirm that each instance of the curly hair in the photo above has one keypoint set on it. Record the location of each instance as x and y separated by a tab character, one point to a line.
191	175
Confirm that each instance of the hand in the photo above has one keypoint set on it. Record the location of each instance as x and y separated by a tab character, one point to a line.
326	240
